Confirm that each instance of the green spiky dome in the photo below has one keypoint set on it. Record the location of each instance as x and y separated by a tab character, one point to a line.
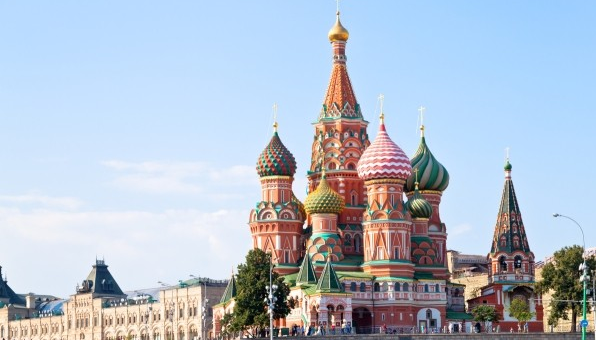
324	200
432	175
276	159
418	206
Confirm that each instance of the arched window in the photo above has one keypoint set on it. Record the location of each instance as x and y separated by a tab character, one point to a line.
357	243
429	314
426	288
437	288
353	287
406	287
348	240
503	264
384	287
517	262
362	287
377	287
397	287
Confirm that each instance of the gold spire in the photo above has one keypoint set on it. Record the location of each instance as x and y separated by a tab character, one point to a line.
382	116
338	32
274	117
421	110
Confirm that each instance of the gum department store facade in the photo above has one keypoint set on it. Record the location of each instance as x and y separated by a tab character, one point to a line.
354	253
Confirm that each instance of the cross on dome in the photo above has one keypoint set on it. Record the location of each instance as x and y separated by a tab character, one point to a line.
421	109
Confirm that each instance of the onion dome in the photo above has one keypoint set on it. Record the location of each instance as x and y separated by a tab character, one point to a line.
324	200
508	166
418	206
432	175
338	32
276	159
383	159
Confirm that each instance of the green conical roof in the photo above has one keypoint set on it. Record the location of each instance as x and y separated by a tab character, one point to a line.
418	206
432	175
230	291
329	282
324	200
306	275
510	234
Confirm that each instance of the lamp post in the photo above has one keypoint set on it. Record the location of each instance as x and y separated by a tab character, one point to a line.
271	299
584	277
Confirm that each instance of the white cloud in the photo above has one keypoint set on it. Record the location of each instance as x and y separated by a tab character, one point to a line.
140	247
460	229
43	200
177	177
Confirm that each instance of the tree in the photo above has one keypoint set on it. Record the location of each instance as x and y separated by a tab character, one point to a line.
250	314
520	310
485	314
561	276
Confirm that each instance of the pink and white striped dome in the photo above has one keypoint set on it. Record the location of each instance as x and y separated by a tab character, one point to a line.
383	159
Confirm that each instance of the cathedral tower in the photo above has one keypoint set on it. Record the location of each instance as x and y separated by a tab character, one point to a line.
510	257
384	167
429	236
276	221
340	135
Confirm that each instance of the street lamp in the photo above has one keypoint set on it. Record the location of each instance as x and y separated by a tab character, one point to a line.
584	277
271	299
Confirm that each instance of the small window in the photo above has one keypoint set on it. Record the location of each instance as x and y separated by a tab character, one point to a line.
377	287
397	287
362	287
353	286
406	287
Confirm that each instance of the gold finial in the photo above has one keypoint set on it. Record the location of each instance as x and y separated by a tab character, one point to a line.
416	183
338	32
274	117
382	116
421	109
337	4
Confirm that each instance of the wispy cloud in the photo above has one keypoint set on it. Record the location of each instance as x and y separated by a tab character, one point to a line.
161	177
35	199
140	247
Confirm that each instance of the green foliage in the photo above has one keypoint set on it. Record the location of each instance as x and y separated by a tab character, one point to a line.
561	276
520	310
250	312
485	313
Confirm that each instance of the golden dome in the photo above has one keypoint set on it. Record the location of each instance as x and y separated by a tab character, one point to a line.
338	32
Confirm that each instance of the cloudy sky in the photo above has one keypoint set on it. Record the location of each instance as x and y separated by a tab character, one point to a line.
129	130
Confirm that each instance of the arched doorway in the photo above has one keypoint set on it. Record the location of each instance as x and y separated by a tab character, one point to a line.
362	320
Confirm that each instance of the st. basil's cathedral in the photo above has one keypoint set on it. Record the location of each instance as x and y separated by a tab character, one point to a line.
367	249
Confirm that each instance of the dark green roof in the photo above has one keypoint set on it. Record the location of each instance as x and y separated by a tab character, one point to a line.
230	291
7	294
509	225
452	315
329	282
306	275
100	281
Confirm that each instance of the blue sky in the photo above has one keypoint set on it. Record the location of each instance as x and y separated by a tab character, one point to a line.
129	130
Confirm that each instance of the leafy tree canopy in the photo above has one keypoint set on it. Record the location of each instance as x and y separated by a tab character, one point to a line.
485	313
520	310
561	276
251	308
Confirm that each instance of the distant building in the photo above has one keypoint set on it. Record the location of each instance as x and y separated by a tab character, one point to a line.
100	310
